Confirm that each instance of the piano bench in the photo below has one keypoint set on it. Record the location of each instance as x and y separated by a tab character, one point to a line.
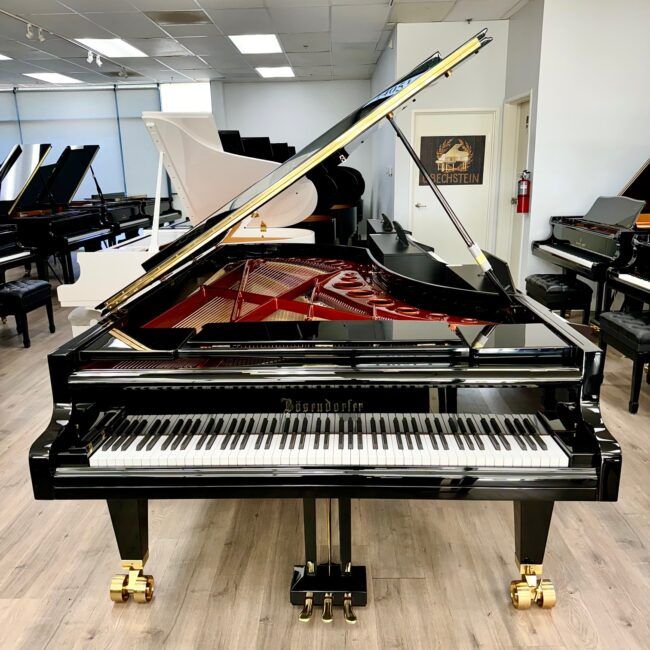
629	333
19	297
562	292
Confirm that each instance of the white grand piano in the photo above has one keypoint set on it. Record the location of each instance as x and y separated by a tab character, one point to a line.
205	178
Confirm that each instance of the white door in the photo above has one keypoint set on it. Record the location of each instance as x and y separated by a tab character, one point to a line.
521	163
457	149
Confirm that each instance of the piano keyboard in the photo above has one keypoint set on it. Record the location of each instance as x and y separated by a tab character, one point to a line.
15	256
633	281
558	252
302	440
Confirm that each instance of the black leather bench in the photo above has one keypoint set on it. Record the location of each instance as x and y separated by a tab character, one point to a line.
629	333
559	291
19	297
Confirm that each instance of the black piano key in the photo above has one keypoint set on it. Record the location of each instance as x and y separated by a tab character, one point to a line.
178	426
414	425
452	425
164	426
168	441
473	433
154	427
286	424
303	438
283	440
209	425
382	424
274	425
375	445
438	424
502	439
511	430
400	443
305	425
186	441
443	440
405	425
214	432
384	441
263	424
244	442
359	439
292	440
269	441
434	442
326	439
468	441
137	430
373	425
396	425
485	425
251	424
327	425
177	441
341	437
525	435
233	425
106	443
539	439
427	424
296	424
470	425
317	428
461	425
242	425
234	439
317	440
350	440
225	441
409	442
211	440
418	442
188	425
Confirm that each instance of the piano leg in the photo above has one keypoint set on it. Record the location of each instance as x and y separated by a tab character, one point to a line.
532	523
637	379
130	521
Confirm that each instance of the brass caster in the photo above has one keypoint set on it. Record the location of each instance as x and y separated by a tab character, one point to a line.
546	597
327	608
532	589
520	594
134	583
308	608
348	612
118	590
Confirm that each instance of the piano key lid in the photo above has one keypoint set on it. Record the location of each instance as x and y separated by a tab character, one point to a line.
337	138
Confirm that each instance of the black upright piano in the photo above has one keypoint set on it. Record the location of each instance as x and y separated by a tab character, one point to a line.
310	371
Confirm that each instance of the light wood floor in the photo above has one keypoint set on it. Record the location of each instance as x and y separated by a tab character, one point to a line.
438	571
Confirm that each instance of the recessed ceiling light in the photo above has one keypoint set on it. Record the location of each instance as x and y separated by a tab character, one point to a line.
256	43
113	48
4	58
278	71
52	77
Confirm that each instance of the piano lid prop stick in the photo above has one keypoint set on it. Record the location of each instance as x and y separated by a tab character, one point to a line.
472	246
155	225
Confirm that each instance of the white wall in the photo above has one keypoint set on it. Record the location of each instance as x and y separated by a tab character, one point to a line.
218	103
478	83
383	140
593	130
297	112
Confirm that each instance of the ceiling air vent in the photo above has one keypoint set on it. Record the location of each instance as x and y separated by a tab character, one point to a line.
179	17
122	74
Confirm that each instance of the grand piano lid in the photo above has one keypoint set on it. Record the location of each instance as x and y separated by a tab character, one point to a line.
332	141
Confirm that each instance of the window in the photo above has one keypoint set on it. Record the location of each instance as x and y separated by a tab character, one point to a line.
186	98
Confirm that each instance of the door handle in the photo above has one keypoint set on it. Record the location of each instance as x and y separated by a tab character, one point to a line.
420	205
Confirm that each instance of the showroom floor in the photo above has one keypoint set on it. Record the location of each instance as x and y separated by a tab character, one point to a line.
438	571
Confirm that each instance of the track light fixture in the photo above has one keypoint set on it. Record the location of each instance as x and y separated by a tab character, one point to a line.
89	58
123	73
41	35
98	61
29	34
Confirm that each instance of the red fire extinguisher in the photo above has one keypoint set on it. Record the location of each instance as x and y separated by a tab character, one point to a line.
523	193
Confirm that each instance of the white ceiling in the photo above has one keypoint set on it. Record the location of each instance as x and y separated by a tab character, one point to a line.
321	39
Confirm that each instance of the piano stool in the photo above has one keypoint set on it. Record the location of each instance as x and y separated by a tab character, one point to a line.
629	333
559	291
19	297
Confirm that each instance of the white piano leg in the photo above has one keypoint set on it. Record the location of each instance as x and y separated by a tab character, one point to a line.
153	246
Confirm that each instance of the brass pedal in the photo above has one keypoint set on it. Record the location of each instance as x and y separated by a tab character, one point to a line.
327	608
348	612
308	608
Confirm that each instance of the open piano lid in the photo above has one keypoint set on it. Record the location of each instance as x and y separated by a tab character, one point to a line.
210	233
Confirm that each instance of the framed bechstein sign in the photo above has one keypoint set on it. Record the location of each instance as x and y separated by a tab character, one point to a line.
454	159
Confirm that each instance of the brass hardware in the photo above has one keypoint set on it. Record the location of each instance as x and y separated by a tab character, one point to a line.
348	612
262	226
348	568
532	588
327	608
448	74
373	117
134	583
308	609
128	340
311	568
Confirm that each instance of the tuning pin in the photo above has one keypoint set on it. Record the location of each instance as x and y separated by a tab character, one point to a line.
327	608
348	612
307	610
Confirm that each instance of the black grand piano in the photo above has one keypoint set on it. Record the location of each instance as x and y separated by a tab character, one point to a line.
305	371
589	245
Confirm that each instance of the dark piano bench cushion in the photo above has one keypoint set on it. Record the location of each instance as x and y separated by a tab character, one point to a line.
22	296
556	288
632	329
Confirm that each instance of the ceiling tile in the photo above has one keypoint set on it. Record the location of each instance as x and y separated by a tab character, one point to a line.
83	6
59	47
354	56
298	4
23	8
205	45
164	18
242	21
182	62
480	9
352	72
72	26
362	18
223	62
362	2
262	60
310	58
127	25
232	4
420	12
180	31
363	39
312	42
80	62
314	72
163	5
159	46
305	19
